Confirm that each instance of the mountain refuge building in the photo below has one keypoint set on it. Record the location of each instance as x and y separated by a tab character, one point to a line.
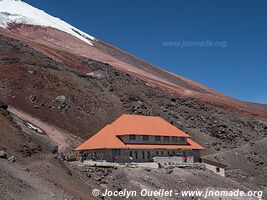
137	138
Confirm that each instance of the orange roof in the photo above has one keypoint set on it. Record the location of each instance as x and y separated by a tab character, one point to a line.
145	125
108	137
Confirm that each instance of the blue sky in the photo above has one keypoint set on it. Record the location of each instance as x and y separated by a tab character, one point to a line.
171	34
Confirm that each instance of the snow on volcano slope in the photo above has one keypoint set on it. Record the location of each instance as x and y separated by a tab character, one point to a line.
16	11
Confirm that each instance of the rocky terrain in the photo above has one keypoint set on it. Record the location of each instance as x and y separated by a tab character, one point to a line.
36	172
61	94
31	168
59	86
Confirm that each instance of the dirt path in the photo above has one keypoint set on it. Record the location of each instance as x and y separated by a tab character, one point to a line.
60	137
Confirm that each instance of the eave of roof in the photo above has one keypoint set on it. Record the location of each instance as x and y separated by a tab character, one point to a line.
108	138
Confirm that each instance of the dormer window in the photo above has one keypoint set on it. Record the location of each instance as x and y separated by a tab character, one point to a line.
145	137
132	137
157	138
182	139
166	138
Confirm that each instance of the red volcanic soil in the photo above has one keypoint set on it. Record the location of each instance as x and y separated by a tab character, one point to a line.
51	42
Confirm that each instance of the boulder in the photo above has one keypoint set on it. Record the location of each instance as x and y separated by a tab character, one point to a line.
32	98
97	74
61	99
3	155
169	171
3	105
11	159
4	112
98	178
63	107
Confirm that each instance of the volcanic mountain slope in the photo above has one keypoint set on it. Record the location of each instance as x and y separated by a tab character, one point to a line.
43	31
82	104
80	86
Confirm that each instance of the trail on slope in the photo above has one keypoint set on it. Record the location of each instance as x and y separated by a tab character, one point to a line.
63	139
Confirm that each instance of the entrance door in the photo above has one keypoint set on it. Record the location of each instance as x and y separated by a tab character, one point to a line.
116	154
136	155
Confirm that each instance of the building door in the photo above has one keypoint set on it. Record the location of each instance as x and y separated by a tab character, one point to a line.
136	155
116	154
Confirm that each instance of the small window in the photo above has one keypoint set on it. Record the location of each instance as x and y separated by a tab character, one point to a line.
173	153
145	137
132	137
182	139
157	153
217	169
162	153
174	139
136	154
157	138
166	138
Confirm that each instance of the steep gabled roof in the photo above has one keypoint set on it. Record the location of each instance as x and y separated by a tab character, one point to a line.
108	137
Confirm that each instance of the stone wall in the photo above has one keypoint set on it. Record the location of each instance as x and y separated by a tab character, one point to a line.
215	169
173	160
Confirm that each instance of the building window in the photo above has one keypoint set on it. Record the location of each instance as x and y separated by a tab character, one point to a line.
157	153
148	154
132	137
166	138
217	169
174	139
173	153
162	153
136	154
144	155
145	137
157	138
182	139
131	154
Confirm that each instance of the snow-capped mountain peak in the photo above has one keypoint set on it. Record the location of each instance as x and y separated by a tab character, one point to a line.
16	11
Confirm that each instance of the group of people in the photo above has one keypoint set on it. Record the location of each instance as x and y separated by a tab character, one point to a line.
64	157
